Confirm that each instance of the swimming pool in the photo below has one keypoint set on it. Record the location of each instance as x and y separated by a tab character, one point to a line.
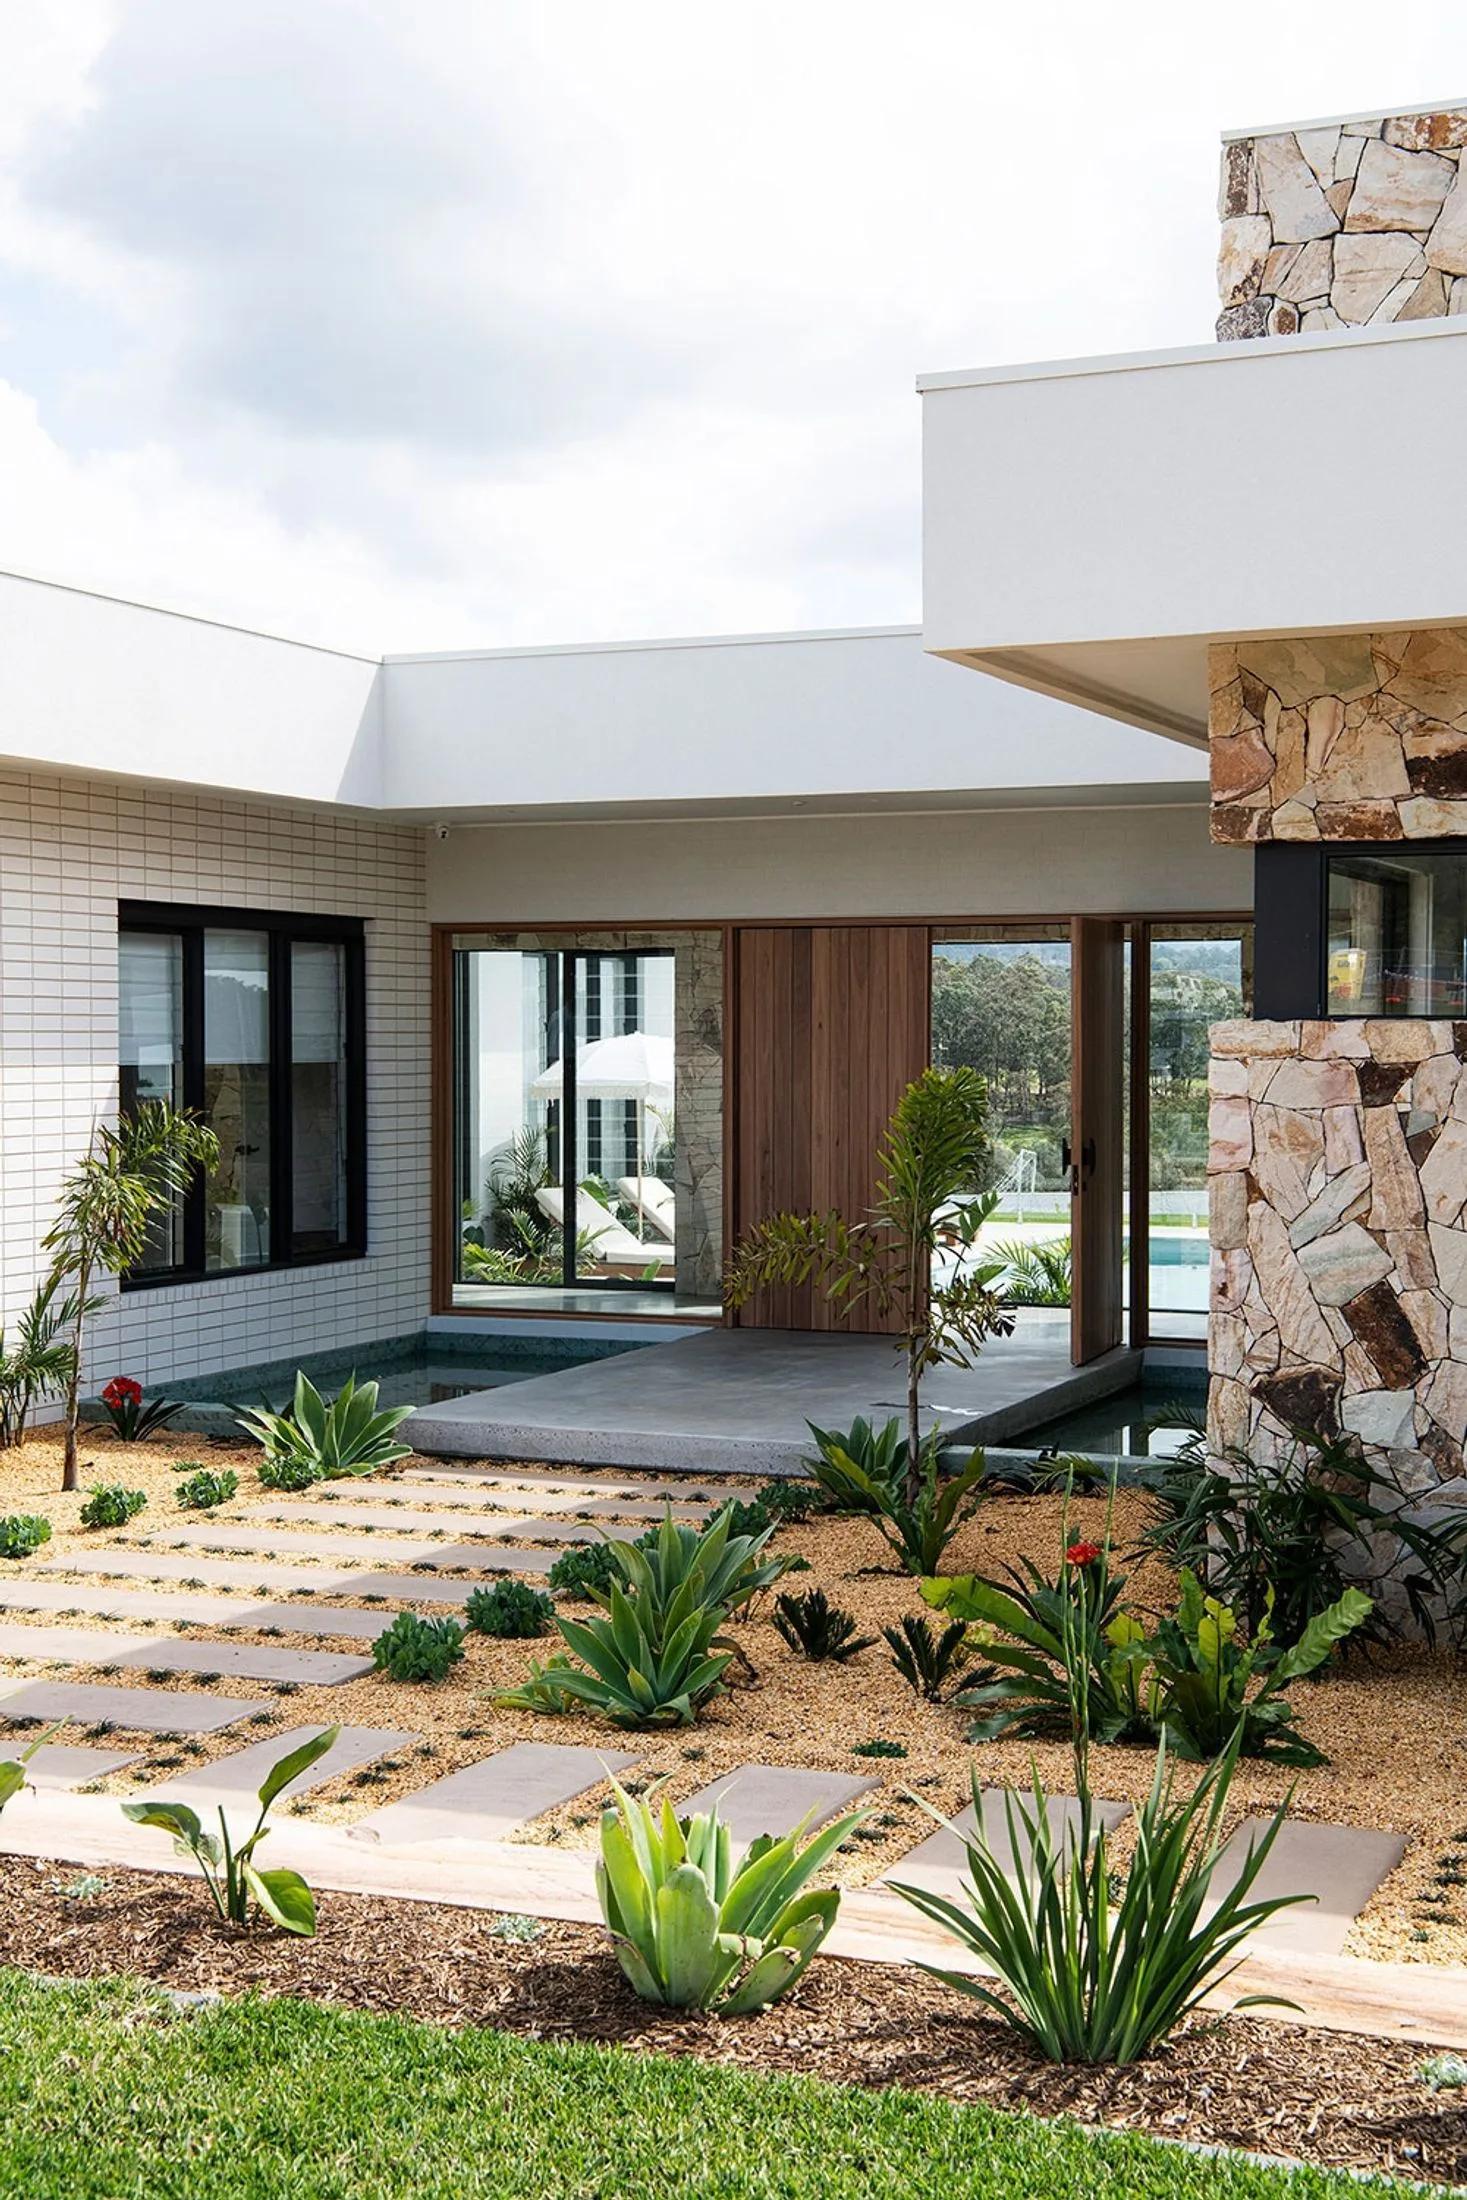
1121	1426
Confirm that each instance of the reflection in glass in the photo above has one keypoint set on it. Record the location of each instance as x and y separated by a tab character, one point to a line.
1196	981
237	1098
1397	935
318	1126
150	1056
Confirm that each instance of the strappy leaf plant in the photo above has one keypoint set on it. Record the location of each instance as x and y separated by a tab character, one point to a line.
929	1169
917	1515
350	1436
694	1928
233	1878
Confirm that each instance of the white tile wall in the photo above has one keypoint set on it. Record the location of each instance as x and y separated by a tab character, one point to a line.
70	849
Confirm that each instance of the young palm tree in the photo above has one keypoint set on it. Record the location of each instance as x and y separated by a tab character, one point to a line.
935	1147
112	1196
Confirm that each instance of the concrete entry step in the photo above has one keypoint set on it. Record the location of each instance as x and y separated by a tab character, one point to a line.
487	1801
773	1799
940	1863
238	1778
324	1581
1342	1865
359	1549
141	1710
177	1654
143	1605
60	1766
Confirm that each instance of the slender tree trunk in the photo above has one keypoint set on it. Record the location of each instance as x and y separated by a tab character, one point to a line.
914	1425
69	1477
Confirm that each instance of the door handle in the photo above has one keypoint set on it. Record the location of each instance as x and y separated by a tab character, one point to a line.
1079	1170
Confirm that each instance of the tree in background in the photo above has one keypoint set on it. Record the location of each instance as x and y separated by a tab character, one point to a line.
117	1191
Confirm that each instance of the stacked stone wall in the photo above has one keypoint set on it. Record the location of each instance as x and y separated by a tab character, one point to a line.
1362	221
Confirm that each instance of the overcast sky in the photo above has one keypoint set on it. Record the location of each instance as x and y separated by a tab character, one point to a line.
400	324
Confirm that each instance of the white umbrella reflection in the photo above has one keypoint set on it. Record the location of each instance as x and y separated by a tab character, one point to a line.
632	1065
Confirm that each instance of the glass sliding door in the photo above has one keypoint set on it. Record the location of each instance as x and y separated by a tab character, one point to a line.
1001	1005
150	1056
570	1177
236	1105
320	1219
1196	975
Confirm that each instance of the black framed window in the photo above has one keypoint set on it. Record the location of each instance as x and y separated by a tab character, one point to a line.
1349	928
256	1020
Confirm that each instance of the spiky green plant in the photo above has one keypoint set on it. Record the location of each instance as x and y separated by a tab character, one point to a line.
869	1471
928	1168
695	1929
817	1628
926	1662
231	1875
349	1436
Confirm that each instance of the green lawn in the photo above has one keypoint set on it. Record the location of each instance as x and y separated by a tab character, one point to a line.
109	2093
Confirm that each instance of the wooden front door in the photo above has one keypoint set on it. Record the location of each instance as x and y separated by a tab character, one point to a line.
830	1025
1097	1135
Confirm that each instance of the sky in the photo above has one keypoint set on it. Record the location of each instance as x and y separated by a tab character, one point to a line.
493	323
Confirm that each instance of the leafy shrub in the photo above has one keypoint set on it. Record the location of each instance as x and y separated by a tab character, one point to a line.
112	1506
1100	1972
542	1690
510	1609
746	1516
692	1928
230	1873
417	1649
1069	1635
22	1533
205	1488
881	1746
1035	1275
350	1436
1202	1675
1300	1531
588	1569
289	1473
866	1471
791	1498
924	1660
818	1628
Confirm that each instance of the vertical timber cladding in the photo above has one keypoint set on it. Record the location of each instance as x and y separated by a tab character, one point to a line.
831	1024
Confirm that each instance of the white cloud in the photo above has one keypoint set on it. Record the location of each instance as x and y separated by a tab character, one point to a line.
468	324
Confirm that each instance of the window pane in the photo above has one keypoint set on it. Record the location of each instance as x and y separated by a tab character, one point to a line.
237	1097
626	1144
318	1095
150	1030
1195	983
1398	935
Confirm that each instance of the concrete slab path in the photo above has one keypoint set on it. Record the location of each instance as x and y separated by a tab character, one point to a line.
315	1581
179	1654
478	1511
1342	1865
144	1606
774	1798
486	1801
359	1549
60	1767
138	1710
940	1863
464	1477
544	1527
239	1778
736	1401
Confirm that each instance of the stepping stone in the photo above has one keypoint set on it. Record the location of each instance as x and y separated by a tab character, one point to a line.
487	1801
57	1766
1342	1865
144	1605
141	1710
773	1799
402	1521
177	1654
239	1778
326	1581
940	1863
398	1512
364	1550
465	1480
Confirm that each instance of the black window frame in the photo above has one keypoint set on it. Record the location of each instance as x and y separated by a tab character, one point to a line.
187	923
1291	923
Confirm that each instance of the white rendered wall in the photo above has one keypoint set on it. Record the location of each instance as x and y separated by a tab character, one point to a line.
70	849
989	863
95	685
746	720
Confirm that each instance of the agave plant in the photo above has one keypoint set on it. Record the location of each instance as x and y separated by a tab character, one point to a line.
694	1929
349	1436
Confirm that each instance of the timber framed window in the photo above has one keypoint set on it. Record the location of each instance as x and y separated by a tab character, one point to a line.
255	1019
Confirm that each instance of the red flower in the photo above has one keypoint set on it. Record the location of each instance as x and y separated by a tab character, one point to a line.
122	1391
1082	1554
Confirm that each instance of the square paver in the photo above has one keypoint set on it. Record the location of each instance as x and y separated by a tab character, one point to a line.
940	1863
487	1801
180	1654
362	1550
1342	1865
773	1799
238	1778
59	1767
143	1606
327	1581
139	1710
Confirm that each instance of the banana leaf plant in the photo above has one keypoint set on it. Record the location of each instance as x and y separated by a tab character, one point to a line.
694	1928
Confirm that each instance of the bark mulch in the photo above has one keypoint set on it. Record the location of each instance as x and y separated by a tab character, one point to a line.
1276	2089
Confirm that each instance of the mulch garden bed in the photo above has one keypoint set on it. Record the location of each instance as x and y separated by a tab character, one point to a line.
1276	2089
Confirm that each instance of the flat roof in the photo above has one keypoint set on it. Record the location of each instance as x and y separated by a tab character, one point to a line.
1337	122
